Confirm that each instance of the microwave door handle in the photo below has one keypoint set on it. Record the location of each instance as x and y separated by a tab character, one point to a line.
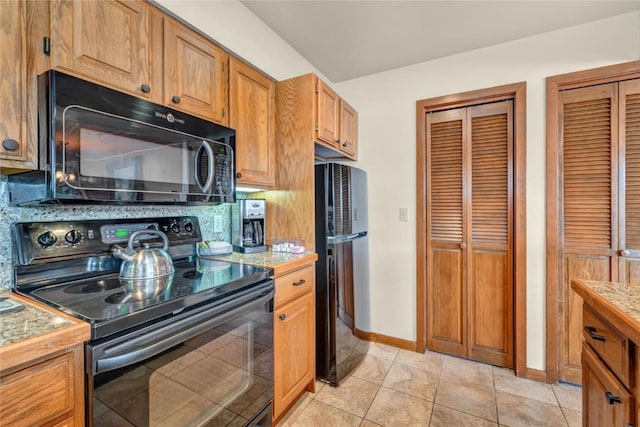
207	185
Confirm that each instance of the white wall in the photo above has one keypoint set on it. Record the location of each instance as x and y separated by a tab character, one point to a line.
386	105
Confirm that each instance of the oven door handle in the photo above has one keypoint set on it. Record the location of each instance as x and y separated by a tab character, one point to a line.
190	328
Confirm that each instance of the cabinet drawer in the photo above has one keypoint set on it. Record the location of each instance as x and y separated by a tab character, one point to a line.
608	343
38	393
294	284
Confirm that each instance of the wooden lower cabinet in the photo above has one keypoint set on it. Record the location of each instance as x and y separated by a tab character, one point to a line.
294	338
607	377
45	392
606	401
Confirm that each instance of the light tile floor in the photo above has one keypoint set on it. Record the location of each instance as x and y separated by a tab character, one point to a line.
397	388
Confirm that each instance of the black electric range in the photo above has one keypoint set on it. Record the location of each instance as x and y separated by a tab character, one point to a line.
69	265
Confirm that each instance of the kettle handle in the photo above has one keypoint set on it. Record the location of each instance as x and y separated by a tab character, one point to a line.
135	234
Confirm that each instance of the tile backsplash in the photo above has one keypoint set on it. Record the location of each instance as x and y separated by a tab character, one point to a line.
9	214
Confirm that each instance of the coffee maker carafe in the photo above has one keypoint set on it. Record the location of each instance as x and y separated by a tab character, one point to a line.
248	225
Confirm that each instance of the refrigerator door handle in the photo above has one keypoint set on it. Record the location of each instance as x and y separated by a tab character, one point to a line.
346	237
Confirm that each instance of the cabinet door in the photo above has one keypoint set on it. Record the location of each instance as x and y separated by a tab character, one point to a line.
252	115
327	125
195	74
108	41
294	350
605	401
39	393
13	86
348	130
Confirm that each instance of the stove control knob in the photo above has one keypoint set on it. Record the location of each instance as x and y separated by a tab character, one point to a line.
73	237
188	227
47	239
175	227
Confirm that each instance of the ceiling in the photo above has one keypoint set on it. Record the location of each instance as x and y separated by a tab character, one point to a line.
350	39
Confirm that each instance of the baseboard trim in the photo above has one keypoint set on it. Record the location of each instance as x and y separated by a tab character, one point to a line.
536	375
385	339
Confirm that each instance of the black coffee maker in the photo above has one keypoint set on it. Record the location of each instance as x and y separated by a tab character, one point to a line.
248	225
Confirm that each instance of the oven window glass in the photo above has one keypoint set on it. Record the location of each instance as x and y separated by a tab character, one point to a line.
106	152
220	377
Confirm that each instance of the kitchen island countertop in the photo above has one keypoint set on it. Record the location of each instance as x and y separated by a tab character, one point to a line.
619	303
280	262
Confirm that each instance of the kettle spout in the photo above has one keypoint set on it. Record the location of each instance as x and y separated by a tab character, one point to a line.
122	253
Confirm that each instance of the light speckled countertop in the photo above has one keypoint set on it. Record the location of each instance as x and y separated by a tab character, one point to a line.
624	296
29	322
279	261
35	331
618	303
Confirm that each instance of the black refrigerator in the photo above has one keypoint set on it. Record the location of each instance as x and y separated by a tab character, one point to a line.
342	270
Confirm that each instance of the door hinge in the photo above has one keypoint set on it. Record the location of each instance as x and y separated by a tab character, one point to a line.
46	45
317	88
317	127
223	112
223	64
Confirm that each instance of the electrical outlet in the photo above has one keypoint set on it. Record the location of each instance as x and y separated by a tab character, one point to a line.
404	215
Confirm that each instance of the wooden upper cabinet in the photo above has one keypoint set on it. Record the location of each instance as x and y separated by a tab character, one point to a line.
106	41
327	124
252	115
14	149
195	74
348	140
322	115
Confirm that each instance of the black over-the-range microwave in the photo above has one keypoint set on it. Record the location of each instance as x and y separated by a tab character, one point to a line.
98	145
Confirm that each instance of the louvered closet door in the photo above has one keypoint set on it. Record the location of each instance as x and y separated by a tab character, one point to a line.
490	263
629	125
469	206
446	229
589	187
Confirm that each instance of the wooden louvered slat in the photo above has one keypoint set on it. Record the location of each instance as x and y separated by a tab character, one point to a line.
446	181
632	172
490	183
587	173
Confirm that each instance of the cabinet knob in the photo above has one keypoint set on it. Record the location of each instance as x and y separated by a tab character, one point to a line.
463	245
10	144
175	99
625	252
145	88
345	144
238	175
282	316
611	399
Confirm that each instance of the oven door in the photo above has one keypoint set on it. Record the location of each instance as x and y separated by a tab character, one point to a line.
210	368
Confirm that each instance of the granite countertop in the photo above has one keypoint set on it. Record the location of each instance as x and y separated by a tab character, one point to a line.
29	321
279	261
34	331
618	303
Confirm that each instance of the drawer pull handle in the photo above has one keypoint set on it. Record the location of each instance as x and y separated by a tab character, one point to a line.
299	282
591	330
611	399
282	316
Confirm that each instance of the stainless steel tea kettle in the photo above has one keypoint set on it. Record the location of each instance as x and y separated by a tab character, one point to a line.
146	262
